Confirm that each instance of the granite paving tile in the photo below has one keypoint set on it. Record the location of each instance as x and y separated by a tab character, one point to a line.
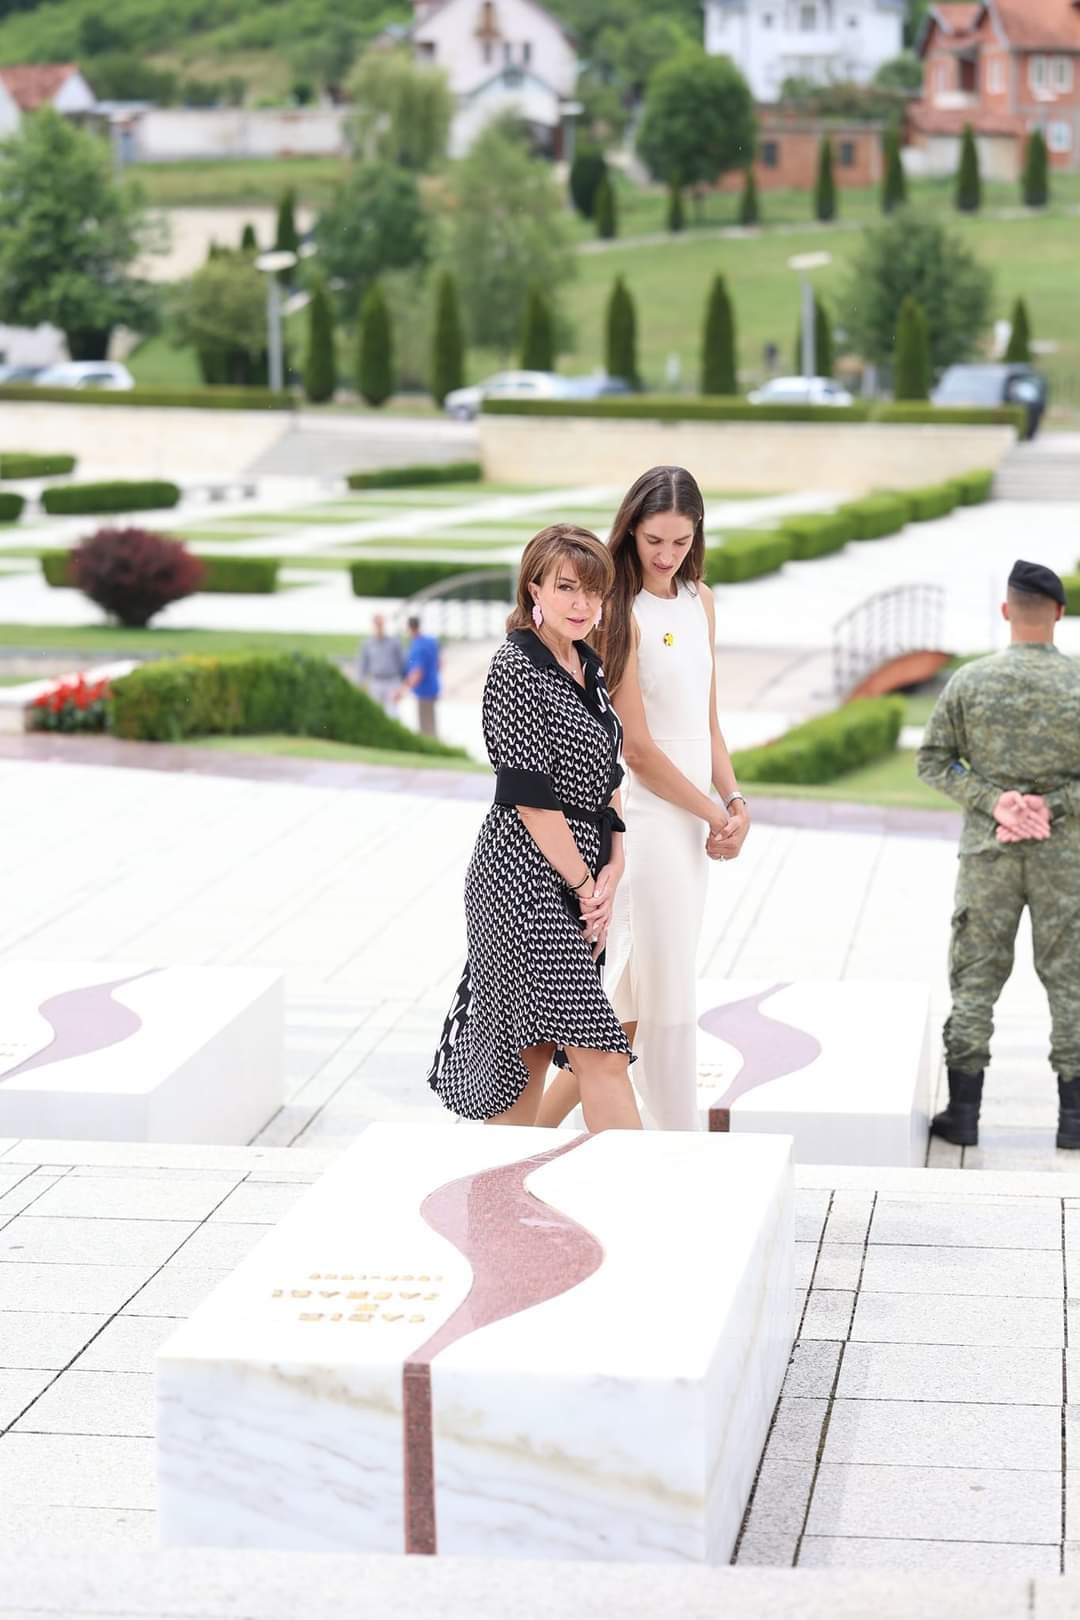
44	1339
129	1344
77	1470
839	1266
767	1549
938	1319
995	1374
828	1314
96	1289
17	1390
64	1239
222	1244
939	1434
135	1197
778	1504
1017	1224
26	1191
937	1504
812	1368
176	1290
957	1557
260	1202
811	1208
1006	1273
849	1218
119	1403
797	1429
62	1531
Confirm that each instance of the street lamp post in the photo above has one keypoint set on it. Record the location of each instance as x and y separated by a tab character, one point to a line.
804	263
272	264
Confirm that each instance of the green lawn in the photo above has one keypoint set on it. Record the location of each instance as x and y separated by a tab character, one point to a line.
100	639
890	782
198	183
344	753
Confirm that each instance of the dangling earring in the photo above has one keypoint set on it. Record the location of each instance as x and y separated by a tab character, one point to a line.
538	615
599	616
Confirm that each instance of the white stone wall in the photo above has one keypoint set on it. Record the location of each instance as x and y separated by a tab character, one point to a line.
165	134
849	41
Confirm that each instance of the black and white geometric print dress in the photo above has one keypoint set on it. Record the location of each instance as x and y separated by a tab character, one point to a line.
530	977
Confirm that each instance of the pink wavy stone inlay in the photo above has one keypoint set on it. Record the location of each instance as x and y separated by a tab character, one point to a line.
83	1020
522	1253
769	1047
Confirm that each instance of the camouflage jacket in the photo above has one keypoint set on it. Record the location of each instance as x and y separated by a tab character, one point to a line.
1010	721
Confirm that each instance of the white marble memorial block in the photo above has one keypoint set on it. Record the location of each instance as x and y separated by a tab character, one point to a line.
512	1343
123	1052
843	1066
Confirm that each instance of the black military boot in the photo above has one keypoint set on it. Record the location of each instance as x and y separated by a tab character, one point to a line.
1068	1131
959	1123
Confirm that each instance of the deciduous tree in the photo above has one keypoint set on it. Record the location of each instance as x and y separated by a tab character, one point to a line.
698	121
404	110
376	222
911	255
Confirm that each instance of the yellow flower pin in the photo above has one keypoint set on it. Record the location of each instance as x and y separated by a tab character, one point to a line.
669	639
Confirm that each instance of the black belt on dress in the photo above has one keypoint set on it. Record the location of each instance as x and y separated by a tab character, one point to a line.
608	821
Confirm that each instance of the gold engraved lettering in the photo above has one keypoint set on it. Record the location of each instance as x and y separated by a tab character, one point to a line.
407	1293
336	1317
416	1318
430	1296
392	1316
329	1293
357	1317
301	1293
357	1293
311	1316
384	1296
277	1293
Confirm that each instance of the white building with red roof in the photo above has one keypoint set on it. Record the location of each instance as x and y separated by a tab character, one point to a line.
1006	67
32	85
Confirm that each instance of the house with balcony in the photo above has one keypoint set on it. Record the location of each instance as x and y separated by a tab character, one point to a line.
1006	67
501	56
823	41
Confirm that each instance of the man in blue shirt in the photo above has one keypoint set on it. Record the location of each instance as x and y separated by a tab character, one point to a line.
422	675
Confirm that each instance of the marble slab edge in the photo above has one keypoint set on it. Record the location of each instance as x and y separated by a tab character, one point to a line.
257	1163
972	1183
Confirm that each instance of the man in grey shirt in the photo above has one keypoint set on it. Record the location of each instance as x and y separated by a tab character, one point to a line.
382	665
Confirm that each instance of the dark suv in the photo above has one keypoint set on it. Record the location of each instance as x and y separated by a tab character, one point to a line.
991	385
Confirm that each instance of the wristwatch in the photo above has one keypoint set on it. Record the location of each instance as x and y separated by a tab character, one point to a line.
730	800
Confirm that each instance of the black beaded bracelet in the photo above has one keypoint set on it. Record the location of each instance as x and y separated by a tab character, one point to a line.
574	887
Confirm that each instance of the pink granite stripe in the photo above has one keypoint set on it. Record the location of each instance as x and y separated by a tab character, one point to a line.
523	1252
769	1047
83	1020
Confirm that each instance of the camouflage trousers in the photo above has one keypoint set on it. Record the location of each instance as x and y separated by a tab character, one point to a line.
991	893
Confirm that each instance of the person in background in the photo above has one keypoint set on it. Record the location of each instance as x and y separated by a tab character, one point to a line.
422	675
382	666
1004	742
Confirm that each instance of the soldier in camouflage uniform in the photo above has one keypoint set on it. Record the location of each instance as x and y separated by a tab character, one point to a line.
1004	741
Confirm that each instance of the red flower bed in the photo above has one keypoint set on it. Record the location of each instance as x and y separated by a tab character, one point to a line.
76	704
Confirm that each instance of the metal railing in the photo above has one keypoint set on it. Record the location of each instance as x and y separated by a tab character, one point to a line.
904	619
471	606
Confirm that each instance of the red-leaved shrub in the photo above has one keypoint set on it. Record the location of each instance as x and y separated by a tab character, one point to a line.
134	573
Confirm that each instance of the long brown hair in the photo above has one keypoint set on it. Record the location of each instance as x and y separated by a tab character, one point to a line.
561	542
661	489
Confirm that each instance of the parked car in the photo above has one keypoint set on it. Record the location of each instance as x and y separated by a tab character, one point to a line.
86	374
464	403
20	374
597	386
801	391
996	385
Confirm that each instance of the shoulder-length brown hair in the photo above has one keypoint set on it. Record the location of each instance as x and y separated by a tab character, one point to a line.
560	543
661	489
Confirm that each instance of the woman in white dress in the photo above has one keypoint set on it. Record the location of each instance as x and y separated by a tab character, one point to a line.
657	641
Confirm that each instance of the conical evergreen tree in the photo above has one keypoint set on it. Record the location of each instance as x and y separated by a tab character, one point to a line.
1036	178
606	210
287	237
718	372
448	340
320	367
538	333
676	211
911	366
375	350
588	169
823	343
749	207
968	178
249	242
825	188
621	336
1019	348
894	181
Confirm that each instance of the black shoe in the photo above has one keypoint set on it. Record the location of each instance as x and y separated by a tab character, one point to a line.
1068	1131
959	1123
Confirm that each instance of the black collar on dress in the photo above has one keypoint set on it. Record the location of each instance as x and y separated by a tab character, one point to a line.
538	653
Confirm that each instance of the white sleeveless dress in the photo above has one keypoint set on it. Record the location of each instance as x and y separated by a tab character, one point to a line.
651	972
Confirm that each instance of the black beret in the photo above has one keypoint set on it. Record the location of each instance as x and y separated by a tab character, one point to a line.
1027	576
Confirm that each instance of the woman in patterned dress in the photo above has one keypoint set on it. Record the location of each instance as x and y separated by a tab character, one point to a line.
683	803
541	882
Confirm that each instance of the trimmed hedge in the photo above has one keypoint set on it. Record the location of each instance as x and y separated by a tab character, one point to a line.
747	554
936	500
831	745
676	408
817	534
202	399
240	576
400	577
120	495
11	506
1071	583
450	472
875	516
28	464
290	694
973	488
